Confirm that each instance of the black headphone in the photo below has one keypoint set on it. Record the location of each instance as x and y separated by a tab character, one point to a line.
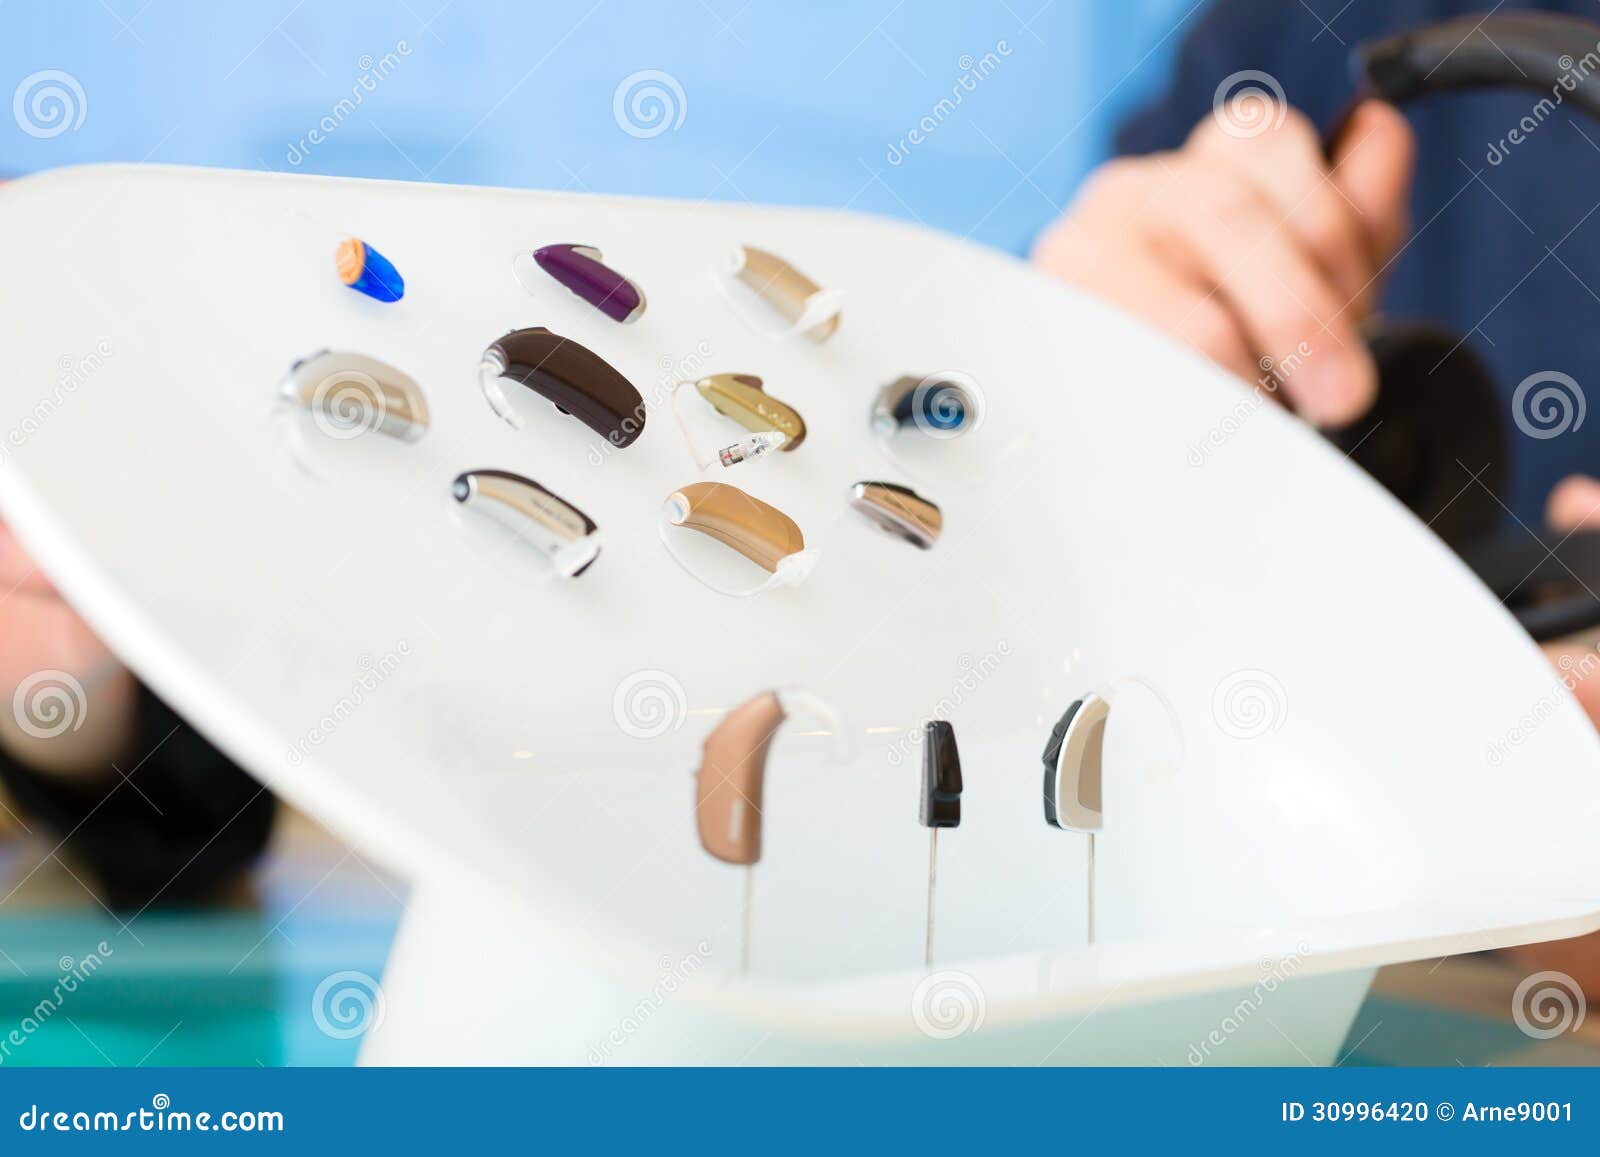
1437	409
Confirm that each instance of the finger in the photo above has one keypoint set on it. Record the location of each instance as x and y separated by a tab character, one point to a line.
1373	164
1225	231
1102	260
1574	504
1286	164
44	634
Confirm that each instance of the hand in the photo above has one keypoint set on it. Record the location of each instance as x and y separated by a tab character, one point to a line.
1246	247
1573	505
40	633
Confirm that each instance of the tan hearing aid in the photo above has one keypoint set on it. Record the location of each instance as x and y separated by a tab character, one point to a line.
728	786
809	308
763	534
730	782
900	511
743	398
350	393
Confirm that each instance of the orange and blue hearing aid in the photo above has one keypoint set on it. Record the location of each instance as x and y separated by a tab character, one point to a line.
363	268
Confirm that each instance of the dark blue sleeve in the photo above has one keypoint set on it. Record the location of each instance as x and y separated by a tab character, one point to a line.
1306	59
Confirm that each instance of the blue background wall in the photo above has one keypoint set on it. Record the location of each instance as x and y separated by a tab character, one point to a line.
782	102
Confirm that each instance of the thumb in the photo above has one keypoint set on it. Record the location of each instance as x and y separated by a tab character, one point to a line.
1373	162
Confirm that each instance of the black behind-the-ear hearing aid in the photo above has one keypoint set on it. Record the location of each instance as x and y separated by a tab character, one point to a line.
1437	409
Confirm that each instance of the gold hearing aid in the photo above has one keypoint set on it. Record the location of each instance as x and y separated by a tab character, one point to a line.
808	307
743	398
350	393
763	534
900	511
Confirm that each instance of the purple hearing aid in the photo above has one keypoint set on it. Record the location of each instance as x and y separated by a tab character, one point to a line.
581	268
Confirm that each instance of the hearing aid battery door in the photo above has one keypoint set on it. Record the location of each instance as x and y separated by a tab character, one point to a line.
1073	766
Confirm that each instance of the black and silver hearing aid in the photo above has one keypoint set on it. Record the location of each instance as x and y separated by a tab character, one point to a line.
574	379
1074	776
939	805
1437	409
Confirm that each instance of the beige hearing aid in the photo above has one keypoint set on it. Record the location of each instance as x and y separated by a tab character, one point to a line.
729	784
731	781
351	392
763	534
809	308
743	398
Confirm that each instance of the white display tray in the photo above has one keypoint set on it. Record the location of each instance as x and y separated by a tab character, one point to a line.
1373	763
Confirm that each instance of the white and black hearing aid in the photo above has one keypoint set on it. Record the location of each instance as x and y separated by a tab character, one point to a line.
1074	776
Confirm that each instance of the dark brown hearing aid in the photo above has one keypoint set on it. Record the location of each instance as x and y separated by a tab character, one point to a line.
571	377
